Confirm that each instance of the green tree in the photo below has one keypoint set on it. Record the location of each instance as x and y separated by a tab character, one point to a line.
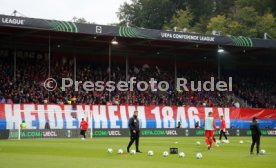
130	13
201	26
181	19
201	8
218	23
234	27
80	20
246	18
148	13
266	24
223	7
249	18
261	6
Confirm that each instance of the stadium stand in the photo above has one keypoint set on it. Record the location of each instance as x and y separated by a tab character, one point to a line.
256	90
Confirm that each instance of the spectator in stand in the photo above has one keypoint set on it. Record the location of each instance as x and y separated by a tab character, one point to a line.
237	104
30	74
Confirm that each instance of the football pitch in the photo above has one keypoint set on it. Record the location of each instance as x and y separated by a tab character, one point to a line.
75	153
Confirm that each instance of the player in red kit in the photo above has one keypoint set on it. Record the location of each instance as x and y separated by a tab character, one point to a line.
84	127
222	128
210	127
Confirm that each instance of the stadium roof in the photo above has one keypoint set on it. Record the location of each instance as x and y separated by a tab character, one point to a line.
34	34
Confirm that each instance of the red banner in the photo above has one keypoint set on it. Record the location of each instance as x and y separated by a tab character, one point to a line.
102	116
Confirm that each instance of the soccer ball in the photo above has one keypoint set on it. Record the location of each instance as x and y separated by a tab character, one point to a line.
198	143
181	154
262	152
133	152
120	151
198	155
165	154
109	150
82	139
218	141
150	153
241	141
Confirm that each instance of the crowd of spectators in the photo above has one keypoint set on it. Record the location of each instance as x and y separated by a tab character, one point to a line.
27	85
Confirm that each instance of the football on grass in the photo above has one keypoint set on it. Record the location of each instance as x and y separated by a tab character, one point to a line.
133	152
199	156
120	151
165	154
181	154
262	152
109	150
150	153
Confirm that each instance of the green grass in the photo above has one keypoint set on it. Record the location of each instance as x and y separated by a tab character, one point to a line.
74	153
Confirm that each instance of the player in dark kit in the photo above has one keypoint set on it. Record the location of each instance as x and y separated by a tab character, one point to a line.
134	132
222	128
256	135
84	127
